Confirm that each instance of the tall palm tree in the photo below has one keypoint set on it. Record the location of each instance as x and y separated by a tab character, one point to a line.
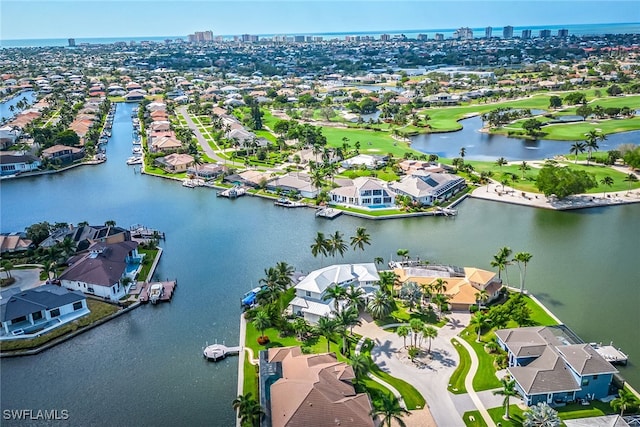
389	409
481	296
261	322
479	320
355	297
346	320
524	167
378	260
337	244
463	152
429	332
591	142
541	415
522	259
7	266
631	178
608	181
440	285
326	327
380	305
404	253
300	327
284	272
360	239
320	245
403	332
577	148
500	260
249	410
624	400
337	293
361	366
501	162
508	390
387	281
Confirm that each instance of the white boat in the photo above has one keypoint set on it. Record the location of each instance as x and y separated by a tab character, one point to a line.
155	292
135	160
137	150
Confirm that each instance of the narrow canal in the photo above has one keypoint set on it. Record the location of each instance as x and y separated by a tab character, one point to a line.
146	368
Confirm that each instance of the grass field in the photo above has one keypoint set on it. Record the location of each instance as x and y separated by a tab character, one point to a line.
456	382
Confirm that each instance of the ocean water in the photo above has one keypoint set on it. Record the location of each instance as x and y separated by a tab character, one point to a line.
574	29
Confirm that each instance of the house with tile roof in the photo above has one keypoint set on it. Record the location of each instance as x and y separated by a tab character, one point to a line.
309	301
174	162
365	192
310	390
25	313
14	242
548	367
101	269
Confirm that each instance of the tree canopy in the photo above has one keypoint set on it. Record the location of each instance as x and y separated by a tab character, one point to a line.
563	182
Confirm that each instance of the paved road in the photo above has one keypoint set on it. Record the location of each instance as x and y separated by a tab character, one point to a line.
25	279
431	378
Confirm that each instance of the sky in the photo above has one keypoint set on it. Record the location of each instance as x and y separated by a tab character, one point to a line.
27	19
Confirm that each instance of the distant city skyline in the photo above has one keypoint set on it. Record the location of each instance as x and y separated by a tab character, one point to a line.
26	19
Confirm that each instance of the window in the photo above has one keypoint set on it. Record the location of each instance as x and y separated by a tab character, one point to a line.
585	381
37	315
366	193
77	305
377	200
55	312
19	319
90	290
307	293
366	201
377	192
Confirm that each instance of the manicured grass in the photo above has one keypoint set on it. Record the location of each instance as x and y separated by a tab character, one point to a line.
150	255
370	212
456	382
412	397
538	315
478	421
402	315
576	131
385	174
515	415
250	383
371	142
485	378
98	311
265	134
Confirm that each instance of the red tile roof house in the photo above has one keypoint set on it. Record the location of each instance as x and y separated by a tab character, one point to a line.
101	269
175	163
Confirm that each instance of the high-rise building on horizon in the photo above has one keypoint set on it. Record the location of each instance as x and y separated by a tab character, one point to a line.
507	32
439	37
463	33
545	34
385	37
72	42
422	37
563	32
200	36
487	32
526	34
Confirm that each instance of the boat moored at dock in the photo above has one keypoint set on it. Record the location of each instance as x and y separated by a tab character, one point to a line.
217	352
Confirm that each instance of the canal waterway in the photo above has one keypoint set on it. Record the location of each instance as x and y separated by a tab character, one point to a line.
146	368
483	146
5	107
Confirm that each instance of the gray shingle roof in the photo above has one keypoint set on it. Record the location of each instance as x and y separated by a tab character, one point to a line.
45	297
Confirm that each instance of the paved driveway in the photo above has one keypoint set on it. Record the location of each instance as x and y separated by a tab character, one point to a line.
25	279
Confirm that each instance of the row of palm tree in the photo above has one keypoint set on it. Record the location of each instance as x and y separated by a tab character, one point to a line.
335	244
502	260
417	330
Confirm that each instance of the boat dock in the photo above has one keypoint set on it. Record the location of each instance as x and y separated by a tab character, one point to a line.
286	203
610	353
232	192
143	291
141	232
217	352
446	212
329	213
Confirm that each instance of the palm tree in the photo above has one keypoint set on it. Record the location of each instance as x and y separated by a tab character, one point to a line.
7	266
355	297
337	244
403	332
508	390
326	327
577	148
501	162
591	142
541	415
608	181
346	319
429	332
501	260
110	223
404	253
524	167
361	366
410	292
261	322
389	409
249	410
378	260
481	296
284	272
300	327
387	281
197	161
624	400
463	152
337	293
442	302
440	286
380	305
360	239
630	179
320	245
479	320
522	259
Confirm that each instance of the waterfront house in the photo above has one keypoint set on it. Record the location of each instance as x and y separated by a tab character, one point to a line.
13	162
427	188
462	284
165	144
364	192
62	153
309	301
134	96
367	160
23	313
208	170
101	269
86	235
549	366
300	183
175	163
310	389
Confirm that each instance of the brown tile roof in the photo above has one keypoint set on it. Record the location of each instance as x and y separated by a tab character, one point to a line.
102	265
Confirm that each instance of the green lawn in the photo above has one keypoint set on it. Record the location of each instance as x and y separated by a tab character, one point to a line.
485	378
515	414
402	315
576	131
538	315
371	142
456	382
150	255
478	421
250	384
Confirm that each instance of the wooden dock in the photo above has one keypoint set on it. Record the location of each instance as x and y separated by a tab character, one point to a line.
143	288
217	352
610	353
329	213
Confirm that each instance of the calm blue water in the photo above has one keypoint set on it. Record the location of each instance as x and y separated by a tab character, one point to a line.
484	146
146	368
5	107
576	29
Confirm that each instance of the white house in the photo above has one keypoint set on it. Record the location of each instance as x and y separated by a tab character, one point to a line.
365	192
8	136
310	291
101	270
427	188
12	163
24	313
367	160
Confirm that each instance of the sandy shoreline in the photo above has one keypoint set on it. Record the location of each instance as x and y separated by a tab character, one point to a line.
495	193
